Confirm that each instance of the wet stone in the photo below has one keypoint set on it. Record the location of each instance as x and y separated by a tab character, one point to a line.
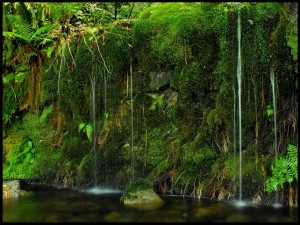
113	216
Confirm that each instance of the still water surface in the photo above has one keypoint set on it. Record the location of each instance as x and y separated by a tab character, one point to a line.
103	205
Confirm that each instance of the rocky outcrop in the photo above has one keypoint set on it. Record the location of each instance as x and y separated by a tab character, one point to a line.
143	200
11	189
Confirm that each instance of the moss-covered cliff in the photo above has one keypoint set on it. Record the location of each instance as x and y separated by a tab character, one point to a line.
156	98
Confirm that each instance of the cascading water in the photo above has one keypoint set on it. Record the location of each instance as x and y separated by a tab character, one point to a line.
274	110
275	124
234	142
93	96
132	152
239	78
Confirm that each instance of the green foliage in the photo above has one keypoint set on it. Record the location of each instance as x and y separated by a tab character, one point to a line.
31	126
22	154
269	110
10	106
292	41
198	162
46	112
85	169
33	163
157	103
22	28
86	128
284	169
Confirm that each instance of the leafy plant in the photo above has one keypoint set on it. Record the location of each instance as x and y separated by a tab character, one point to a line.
86	128
27	155
46	112
285	169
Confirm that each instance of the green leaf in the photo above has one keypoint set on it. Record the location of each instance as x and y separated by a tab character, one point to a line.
28	157
32	53
45	114
8	78
23	67
43	29
50	50
81	126
33	150
21	76
30	144
89	132
27	149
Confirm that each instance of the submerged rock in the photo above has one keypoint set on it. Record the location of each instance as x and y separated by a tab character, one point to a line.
113	216
143	200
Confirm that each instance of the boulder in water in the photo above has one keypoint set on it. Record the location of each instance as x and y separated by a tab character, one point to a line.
143	199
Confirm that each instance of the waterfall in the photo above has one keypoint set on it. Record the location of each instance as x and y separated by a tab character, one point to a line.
234	142
275	125
93	90
239	78
132	153
93	95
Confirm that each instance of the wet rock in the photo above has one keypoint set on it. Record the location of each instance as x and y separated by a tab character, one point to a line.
113	216
143	200
11	189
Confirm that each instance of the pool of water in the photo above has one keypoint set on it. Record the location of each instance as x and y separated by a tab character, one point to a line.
103	205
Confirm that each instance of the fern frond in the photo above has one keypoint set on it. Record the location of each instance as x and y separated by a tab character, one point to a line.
8	78
21	27
293	157
293	152
44	29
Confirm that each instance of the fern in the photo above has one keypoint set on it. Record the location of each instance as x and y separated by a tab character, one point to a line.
88	129
21	28
8	78
293	156
37	36
285	169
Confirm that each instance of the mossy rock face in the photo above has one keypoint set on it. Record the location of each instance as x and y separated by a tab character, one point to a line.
143	200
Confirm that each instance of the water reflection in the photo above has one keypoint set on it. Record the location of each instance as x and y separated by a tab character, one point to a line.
103	205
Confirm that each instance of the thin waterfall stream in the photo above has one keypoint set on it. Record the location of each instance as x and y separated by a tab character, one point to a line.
234	142
239	78
132	151
275	124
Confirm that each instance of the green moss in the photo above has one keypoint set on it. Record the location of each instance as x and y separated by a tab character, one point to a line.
44	166
137	185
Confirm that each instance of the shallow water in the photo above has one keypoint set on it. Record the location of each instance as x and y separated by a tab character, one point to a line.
103	205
